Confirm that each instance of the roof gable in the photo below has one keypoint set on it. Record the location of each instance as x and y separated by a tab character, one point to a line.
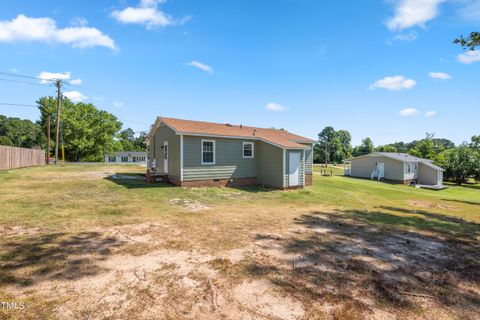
279	138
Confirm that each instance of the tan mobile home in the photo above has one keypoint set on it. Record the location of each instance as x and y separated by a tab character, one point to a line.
396	167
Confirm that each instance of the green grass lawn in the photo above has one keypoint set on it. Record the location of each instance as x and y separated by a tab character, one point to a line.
86	194
51	216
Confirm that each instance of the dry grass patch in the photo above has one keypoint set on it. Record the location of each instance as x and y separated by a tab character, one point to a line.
96	242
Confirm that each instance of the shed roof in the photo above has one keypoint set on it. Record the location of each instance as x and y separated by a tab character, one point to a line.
277	137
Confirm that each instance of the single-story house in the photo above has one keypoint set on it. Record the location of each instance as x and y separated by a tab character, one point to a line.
196	153
396	167
138	157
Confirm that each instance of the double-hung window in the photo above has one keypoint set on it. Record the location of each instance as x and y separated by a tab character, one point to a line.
248	150
111	159
124	159
208	152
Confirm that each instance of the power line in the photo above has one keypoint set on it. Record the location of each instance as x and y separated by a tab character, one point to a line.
17	105
83	88
24	82
24	76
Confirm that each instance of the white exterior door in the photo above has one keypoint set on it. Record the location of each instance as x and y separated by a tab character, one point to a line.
165	157
293	169
381	169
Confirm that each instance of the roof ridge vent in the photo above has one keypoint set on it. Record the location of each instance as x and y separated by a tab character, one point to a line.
228	124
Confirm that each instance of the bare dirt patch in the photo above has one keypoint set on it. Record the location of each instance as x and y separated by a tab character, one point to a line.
429	205
261	297
368	272
326	265
189	205
88	175
14	231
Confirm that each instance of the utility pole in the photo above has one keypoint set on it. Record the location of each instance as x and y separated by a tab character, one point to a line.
48	139
58	84
327	154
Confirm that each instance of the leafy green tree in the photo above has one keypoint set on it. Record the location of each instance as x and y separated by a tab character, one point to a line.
425	148
441	144
470	42
460	163
333	146
345	139
128	142
475	142
365	148
386	148
88	133
20	133
5	141
325	140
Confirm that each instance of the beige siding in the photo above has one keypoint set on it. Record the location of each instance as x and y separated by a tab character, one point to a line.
156	151
270	165
362	167
229	161
427	175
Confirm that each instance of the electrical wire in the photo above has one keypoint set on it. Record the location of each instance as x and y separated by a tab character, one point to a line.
17	105
83	88
25	82
24	76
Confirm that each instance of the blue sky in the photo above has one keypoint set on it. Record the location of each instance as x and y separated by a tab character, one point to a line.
383	69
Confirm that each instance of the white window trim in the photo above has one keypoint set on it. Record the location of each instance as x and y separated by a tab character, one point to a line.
214	153
243	150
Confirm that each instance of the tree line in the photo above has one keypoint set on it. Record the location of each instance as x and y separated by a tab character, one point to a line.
86	132
460	162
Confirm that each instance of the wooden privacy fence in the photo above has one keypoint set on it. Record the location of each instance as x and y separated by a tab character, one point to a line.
13	157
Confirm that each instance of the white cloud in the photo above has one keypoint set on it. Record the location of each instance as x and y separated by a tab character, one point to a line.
118	104
431	114
407	112
75	96
200	66
275	107
45	76
13	70
98	98
148	14
440	75
76	82
27	29
469	57
395	83
410	13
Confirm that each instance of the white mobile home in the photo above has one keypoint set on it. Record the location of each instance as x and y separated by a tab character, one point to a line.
397	167
134	157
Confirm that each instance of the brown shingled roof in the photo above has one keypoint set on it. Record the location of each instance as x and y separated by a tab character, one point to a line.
280	138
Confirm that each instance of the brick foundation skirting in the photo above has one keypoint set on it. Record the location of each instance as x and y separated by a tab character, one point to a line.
308	179
234	182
